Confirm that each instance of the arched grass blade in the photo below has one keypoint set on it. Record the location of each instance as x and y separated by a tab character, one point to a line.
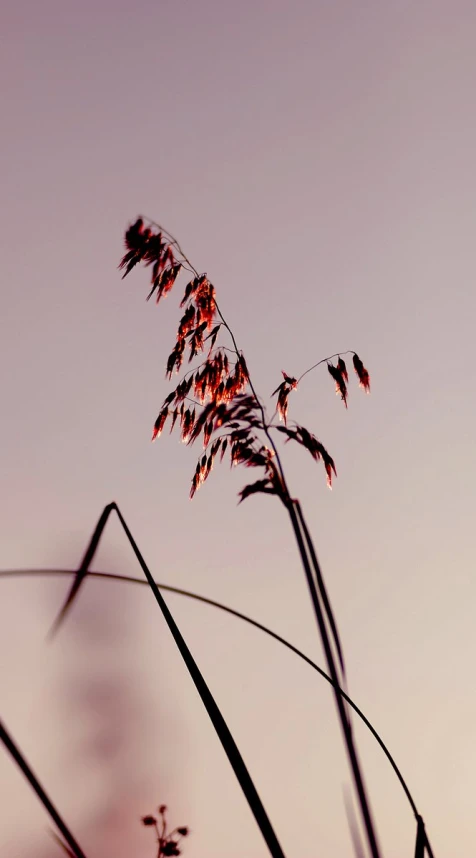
12	573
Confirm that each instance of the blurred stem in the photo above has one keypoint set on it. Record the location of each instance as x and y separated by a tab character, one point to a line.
21	762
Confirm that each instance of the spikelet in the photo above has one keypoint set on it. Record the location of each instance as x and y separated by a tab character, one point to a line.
364	378
343	369
341	387
283	390
159	423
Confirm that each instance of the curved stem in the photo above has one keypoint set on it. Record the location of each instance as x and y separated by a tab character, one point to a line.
36	573
13	573
324	360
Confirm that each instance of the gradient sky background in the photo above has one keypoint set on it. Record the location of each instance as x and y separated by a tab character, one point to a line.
317	160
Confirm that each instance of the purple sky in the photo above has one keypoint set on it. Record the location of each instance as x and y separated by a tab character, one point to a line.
317	160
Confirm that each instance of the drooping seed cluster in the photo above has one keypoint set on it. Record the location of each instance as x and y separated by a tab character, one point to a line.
316	449
214	400
283	390
341	377
211	399
339	374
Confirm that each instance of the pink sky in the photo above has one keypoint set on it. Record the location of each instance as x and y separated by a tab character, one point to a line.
317	160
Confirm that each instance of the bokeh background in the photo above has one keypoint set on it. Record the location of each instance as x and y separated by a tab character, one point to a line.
317	160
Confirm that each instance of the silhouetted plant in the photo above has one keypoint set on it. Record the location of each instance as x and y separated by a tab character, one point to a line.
70	845
422	843
217	402
168	842
221	727
221	411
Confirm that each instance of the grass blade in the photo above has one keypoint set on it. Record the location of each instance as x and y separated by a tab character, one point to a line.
62	845
14	750
322	588
353	827
83	568
13	573
420	839
219	723
331	664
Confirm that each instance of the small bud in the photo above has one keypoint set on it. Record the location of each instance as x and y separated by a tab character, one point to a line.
149	820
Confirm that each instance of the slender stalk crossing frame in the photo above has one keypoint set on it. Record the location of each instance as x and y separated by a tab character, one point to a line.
316	589
219	723
160	250
21	762
35	573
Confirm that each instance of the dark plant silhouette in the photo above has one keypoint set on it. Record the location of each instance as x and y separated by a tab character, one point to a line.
422	837
126	579
225	411
215	402
223	732
70	844
168	842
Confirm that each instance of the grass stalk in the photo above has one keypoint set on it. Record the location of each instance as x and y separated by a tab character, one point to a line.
110	576
50	808
229	745
236	421
300	533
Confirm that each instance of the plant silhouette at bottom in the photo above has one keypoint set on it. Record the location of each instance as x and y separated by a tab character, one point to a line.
168	842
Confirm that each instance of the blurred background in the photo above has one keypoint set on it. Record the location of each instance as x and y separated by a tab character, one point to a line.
317	161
